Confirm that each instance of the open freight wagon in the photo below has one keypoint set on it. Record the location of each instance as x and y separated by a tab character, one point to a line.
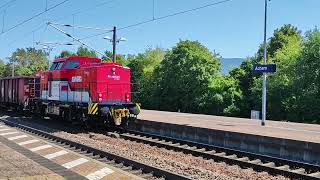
16	92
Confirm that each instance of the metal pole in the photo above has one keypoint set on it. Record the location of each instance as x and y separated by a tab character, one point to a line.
12	68
3	20
48	59
114	43
264	81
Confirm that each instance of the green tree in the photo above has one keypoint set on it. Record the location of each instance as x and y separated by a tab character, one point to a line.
280	84
281	37
28	61
283	49
143	75
83	51
65	53
185	75
306	99
119	58
2	68
246	82
221	97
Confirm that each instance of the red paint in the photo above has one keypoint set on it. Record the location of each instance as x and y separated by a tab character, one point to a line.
64	88
105	81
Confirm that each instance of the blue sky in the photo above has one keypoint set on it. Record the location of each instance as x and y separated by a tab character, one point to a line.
233	29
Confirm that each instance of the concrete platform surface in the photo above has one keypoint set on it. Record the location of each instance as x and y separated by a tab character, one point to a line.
24	156
277	129
14	165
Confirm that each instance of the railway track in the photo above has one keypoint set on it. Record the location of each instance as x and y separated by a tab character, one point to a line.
131	166
272	165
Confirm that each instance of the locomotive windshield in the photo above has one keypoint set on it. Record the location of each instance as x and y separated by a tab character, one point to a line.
56	65
71	64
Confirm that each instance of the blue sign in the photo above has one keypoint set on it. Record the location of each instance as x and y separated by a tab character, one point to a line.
264	68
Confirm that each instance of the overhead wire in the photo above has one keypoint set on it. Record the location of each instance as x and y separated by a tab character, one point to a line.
26	35
63	17
5	6
79	11
82	27
31	18
8	3
136	24
76	39
162	17
93	7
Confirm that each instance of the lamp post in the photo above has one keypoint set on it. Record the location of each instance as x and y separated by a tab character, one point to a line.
264	80
15	58
48	50
114	41
12	69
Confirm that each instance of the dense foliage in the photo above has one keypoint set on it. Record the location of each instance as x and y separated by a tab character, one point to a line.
188	77
293	91
26	62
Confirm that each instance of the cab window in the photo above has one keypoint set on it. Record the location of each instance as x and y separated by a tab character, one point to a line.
59	65
53	66
56	65
72	64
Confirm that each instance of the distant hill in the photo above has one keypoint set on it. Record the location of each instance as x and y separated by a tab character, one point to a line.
228	63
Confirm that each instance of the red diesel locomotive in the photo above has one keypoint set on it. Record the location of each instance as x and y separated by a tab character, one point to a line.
76	89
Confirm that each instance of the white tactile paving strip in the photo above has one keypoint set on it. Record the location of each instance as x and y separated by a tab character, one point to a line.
56	154
99	174
9	133
27	140
40	147
75	163
17	137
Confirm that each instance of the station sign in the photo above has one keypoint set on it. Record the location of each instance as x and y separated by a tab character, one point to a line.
264	68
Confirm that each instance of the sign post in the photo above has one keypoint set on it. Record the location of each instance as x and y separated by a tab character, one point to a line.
264	69
264	81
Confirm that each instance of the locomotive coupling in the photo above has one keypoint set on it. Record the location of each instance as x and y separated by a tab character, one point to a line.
118	114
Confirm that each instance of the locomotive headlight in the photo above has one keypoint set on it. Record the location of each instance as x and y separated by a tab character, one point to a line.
100	94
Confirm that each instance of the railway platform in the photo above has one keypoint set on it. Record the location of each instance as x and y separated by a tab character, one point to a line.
14	165
23	156
294	141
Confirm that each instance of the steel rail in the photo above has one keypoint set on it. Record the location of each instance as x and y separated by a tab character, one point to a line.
272	165
129	165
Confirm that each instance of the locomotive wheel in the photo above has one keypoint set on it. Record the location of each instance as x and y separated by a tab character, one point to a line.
66	114
42	111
